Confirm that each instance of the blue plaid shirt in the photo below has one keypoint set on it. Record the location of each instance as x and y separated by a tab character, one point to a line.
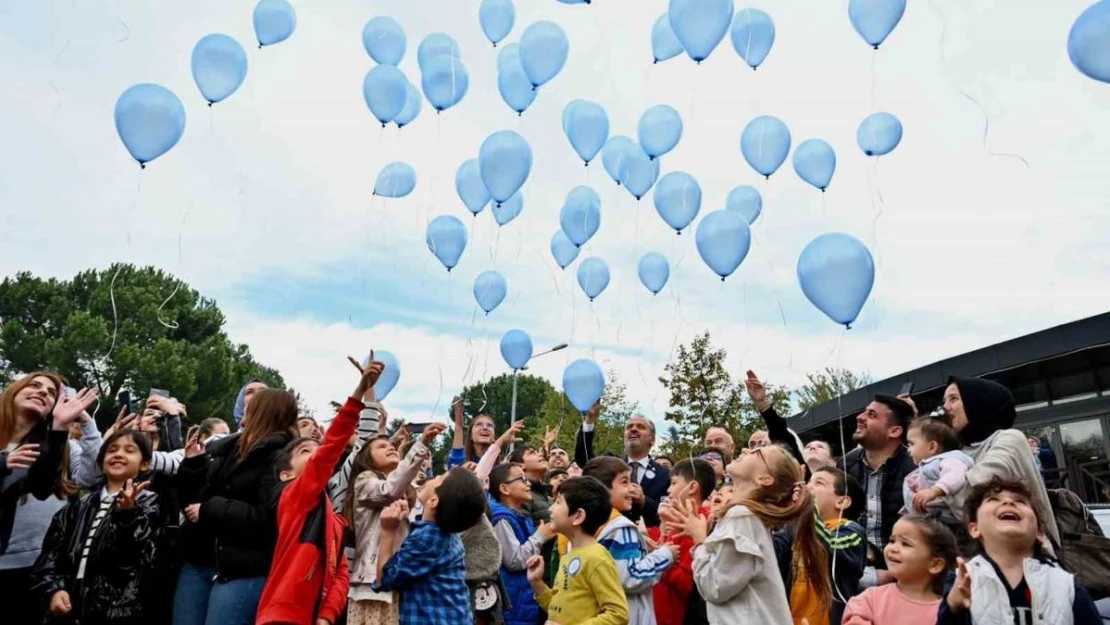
429	570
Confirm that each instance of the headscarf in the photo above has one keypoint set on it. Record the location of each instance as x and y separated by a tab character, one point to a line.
241	402
989	407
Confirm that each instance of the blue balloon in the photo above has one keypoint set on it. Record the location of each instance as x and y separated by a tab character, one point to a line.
616	149
815	162
395	180
504	160
583	383
723	240
508	52
496	18
879	134
586	125
468	184
508	210
391	374
444	81
274	21
581	215
639	172
593	276
1089	42
219	66
413	105
700	24
385	90
489	290
678	199
446	238
150	120
746	201
659	130
664	44
434	46
514	86
654	271
563	250
874	20
543	51
384	40
765	144
516	349
836	273
753	35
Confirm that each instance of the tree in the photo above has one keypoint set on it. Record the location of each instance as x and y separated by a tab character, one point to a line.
616	410
703	395
125	328
828	384
494	397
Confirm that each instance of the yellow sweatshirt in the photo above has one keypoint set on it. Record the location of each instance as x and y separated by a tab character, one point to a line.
587	590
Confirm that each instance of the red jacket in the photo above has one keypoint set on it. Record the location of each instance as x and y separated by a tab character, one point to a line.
309	579
674	588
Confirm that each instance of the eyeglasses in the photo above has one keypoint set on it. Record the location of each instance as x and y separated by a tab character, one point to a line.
759	452
712	458
522	479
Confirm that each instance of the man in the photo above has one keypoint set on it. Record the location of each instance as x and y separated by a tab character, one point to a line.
650	480
718	437
759	438
557	458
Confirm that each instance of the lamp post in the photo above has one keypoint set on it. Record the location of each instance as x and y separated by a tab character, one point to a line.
512	415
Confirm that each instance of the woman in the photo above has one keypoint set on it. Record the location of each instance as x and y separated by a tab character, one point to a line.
231	531
982	413
37	460
482	434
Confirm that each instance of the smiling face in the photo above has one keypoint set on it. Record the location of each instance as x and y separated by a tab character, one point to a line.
516	489
37	399
875	426
123	460
383	456
620	493
639	436
720	500
307	428
909	557
1006	520
482	430
719	438
822	486
558	459
954	407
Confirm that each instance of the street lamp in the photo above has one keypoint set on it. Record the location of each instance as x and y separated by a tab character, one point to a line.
512	416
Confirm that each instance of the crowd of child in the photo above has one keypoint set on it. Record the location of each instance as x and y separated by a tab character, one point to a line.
283	523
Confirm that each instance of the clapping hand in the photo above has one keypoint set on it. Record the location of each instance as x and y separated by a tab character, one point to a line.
369	377
683	516
130	493
391	516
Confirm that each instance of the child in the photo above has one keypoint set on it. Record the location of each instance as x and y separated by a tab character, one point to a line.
554	478
839	499
919	555
1011	581
587	588
719	503
692	480
942	466
98	563
379	478
735	566
429	568
509	490
639	570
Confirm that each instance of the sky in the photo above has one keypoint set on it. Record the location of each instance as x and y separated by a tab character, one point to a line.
986	223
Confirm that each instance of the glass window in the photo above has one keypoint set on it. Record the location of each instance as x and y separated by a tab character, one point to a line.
1047	449
1104	379
1073	385
1034	393
1085	451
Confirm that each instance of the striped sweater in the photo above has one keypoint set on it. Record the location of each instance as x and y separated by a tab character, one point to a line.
638	569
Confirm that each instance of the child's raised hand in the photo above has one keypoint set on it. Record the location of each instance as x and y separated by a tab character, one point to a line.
428	436
535	568
392	515
130	493
369	375
923	497
510	435
959	598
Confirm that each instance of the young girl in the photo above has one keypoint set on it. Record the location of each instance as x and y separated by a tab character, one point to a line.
919	555
479	437
735	567
379	478
942	466
98	561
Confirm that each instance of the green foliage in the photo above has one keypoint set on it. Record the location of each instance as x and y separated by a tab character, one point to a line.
828	384
616	409
166	335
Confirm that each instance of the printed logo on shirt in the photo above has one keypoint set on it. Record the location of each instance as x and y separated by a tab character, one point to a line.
573	567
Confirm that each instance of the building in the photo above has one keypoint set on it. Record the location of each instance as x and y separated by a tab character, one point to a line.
1060	378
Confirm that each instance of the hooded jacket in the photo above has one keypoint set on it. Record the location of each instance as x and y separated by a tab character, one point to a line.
523	608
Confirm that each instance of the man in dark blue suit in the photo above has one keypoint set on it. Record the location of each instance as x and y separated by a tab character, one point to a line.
650	480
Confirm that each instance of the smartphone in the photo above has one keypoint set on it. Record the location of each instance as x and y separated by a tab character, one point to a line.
907	389
159	393
125	401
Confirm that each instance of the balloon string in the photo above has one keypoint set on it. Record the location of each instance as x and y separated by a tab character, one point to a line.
965	94
173	325
874	77
126	28
439	356
843	451
53	85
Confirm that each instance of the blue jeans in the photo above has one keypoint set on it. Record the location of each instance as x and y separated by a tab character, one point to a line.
198	600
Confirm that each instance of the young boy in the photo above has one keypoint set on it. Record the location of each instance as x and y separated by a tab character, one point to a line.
534	464
310	533
429	569
587	588
1011	581
676	597
510	491
638	569
839	500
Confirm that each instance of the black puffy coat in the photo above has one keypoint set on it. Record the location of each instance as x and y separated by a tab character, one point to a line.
237	530
121	571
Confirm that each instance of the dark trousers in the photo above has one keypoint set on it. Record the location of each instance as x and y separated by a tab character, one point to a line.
20	608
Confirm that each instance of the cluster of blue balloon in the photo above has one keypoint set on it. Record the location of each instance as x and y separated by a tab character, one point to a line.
522	68
150	119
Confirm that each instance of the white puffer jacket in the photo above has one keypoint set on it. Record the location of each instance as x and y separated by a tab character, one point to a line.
1053	591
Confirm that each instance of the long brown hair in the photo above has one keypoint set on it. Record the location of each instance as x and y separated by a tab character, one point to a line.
9	417
271	411
365	462
788	501
468	446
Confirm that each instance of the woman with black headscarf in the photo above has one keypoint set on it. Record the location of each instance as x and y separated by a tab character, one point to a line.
983	413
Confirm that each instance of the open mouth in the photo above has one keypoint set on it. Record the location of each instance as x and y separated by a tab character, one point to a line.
1009	515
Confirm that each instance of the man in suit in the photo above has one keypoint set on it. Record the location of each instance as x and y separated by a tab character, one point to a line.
650	480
